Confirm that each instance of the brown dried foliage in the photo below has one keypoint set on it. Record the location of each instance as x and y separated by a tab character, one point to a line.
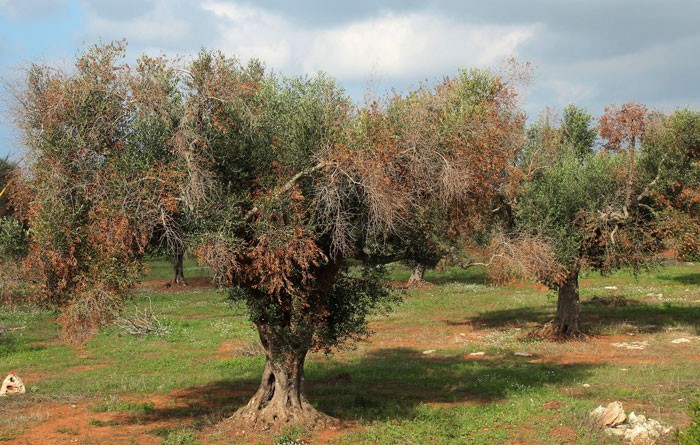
523	257
90	204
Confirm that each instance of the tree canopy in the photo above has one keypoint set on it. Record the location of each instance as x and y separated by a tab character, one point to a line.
280	180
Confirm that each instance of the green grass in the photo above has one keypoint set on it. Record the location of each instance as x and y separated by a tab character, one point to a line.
162	269
397	393
120	406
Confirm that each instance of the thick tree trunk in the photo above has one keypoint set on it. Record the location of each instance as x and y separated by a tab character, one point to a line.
568	308
178	270
566	323
417	275
280	401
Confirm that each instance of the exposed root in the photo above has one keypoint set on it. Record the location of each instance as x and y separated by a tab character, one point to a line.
555	331
251	420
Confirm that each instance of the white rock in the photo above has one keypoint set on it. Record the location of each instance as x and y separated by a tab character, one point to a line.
429	351
617	431
634	345
12	385
638	435
586	385
523	354
634	419
611	287
475	354
598	412
610	416
680	340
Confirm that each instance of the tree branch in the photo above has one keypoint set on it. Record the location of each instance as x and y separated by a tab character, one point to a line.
288	186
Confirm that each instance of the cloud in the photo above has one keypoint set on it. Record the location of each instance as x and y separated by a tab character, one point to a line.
390	44
592	53
412	45
250	32
152	26
30	9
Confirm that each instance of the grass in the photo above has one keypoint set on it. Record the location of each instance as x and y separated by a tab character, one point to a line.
177	385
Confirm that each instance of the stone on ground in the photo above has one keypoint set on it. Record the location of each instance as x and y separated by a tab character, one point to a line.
12	385
635	429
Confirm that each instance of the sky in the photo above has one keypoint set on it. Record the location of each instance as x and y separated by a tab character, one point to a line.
592	53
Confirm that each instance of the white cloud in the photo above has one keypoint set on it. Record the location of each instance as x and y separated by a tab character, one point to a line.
401	45
167	25
567	92
249	32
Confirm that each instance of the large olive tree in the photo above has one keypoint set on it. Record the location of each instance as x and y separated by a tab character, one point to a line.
288	180
280	180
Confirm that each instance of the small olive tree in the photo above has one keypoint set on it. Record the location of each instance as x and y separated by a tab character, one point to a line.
584	210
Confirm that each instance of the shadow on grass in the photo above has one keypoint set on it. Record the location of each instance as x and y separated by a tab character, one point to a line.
384	384
13	344
596	318
682	278
475	275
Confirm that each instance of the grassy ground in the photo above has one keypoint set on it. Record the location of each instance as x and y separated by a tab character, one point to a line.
421	378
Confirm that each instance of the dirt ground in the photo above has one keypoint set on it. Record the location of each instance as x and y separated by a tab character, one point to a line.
49	422
77	422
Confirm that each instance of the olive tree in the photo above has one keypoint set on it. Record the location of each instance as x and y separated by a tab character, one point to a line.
590	211
279	180
93	188
288	180
670	163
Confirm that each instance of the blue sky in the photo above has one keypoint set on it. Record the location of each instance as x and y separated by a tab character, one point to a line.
592	52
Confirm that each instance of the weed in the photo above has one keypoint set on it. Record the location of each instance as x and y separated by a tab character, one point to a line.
691	435
118	406
72	431
182	436
143	322
291	435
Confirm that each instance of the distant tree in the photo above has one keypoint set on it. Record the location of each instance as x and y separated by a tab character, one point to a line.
670	164
445	120
577	130
7	177
622	127
13	234
581	210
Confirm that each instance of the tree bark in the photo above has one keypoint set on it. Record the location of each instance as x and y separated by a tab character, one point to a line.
280	401
178	270
417	275
566	323
567	320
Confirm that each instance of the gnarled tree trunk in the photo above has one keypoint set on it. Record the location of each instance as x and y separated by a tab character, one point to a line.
178	270
566	323
280	401
417	275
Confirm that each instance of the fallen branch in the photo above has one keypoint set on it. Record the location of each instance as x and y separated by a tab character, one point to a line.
143	322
